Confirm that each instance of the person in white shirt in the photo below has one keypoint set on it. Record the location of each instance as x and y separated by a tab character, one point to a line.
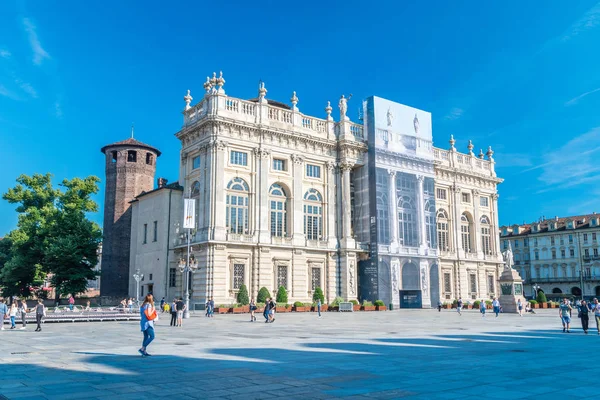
496	306
596	308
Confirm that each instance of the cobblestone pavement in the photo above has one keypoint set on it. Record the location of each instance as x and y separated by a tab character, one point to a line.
415	354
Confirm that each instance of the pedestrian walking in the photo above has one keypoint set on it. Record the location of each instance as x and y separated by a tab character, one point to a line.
482	306
267	309
459	305
564	313
88	305
40	313
252	311
180	306
319	307
496	306
272	307
174	313
3	313
148	315
71	302
12	313
439	306
584	315
596	308
162	304
130	305
520	307
23	313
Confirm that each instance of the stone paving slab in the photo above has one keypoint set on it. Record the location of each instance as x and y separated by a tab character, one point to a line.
405	354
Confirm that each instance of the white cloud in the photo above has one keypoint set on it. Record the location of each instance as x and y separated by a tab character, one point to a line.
5	53
575	100
7	93
39	54
573	164
27	88
590	20
455	113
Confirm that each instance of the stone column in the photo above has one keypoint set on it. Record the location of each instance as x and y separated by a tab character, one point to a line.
421	212
345	168
298	237
330	204
457	239
494	227
393	211
218	207
262	194
477	226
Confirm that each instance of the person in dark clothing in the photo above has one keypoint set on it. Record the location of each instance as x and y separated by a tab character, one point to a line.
174	313
180	306
40	312
267	309
584	315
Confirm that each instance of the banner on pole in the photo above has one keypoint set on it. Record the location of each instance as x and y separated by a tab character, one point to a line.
189	213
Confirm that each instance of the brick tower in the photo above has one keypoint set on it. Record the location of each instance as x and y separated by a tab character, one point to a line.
130	168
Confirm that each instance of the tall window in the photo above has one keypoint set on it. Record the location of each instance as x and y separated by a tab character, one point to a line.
442	230
195	190
236	218
238	158
537	255
594	236
552	241
562	253
407	212
383	232
282	276
473	283
430	223
465	233
313	171
484	201
491	284
238	276
315	278
553	254
585	238
586	252
172	277
196	162
447	283
278	210
572	252
441	194
486	241
570	239
145	233
313	215
155	233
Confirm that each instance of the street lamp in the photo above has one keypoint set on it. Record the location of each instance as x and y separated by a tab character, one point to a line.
138	277
535	290
186	267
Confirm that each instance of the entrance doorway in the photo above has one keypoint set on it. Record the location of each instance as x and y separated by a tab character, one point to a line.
410	299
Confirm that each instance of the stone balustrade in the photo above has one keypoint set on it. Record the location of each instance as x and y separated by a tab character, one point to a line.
465	162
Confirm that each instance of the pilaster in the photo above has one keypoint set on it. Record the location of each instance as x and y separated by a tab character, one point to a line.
298	238
393	206
218	206
330	206
477	226
421	212
262	166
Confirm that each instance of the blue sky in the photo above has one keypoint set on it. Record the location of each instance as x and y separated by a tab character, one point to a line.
519	76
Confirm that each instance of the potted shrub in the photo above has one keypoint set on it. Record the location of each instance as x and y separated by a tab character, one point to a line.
282	296
534	303
455	303
368	306
237	308
222	309
380	305
318	295
447	305
476	304
299	306
335	304
283	308
355	305
263	295
243	299
488	304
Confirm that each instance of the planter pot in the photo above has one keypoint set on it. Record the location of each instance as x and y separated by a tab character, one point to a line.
299	309
544	305
536	306
281	309
468	307
246	308
368	308
238	310
323	308
335	308
447	306
381	308
489	307
356	307
222	310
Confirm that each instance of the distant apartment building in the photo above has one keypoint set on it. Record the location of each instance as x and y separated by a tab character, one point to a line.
558	255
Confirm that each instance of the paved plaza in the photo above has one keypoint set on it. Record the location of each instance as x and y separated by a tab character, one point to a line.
415	354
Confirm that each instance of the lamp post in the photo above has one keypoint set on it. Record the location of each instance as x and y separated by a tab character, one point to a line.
187	266
535	288
138	277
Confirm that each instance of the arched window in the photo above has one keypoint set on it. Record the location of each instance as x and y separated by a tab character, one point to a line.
430	223
442	230
486	239
195	191
407	222
237	217
313	215
278	210
465	233
383	230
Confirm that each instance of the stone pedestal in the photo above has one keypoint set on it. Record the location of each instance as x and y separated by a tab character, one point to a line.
511	289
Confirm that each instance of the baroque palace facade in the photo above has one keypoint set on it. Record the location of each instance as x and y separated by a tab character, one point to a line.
557	255
363	211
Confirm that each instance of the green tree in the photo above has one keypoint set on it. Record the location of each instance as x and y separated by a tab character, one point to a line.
242	296
263	295
318	294
53	235
282	297
541	297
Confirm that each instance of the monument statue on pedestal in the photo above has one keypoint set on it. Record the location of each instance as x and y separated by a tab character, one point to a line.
511	284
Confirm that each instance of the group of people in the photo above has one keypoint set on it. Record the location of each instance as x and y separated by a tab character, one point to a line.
583	312
176	308
127	304
19	309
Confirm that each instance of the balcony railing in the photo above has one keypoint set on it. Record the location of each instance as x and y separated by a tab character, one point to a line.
586	278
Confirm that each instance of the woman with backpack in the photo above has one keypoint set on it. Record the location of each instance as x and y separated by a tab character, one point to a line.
148	316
